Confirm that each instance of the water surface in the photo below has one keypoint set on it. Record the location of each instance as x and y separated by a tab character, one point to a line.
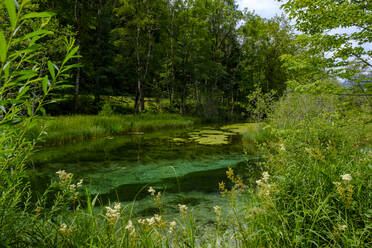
122	168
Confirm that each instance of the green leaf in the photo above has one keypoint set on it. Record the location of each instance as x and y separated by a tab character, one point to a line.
29	109
45	84
71	66
32	35
38	15
42	110
51	70
6	70
3	49
23	90
11	7
71	54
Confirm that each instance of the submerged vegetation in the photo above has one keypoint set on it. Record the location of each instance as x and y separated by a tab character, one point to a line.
313	138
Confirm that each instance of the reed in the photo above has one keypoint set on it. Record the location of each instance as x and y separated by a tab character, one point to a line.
65	129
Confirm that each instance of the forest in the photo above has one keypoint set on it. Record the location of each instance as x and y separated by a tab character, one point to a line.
185	123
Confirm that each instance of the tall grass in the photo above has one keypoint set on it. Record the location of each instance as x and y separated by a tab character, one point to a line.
64	129
315	191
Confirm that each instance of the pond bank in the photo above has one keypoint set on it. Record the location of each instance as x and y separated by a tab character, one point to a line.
69	129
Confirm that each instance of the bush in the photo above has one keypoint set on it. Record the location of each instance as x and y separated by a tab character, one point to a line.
106	110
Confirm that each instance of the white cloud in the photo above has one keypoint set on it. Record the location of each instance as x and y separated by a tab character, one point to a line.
264	8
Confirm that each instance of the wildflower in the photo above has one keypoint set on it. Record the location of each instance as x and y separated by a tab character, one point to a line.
79	184
172	226
64	230
265	176
345	189
130	228
346	177
230	173
157	199
259	182
157	218
151	190
113	214
183	208
282	147
63	176
158	195
150	221
221	186
72	187
341	227
217	210
142	221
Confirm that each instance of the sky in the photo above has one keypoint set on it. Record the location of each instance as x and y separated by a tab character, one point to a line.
264	8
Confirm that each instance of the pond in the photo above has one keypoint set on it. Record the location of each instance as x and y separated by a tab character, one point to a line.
185	165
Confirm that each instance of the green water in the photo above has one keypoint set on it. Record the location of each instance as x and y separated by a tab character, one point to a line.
122	168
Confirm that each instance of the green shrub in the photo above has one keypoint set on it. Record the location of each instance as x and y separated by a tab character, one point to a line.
106	110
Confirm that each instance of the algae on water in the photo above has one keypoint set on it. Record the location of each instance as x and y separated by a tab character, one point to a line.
242	128
211	137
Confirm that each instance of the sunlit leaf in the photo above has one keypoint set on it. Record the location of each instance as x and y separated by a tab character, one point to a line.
23	90
38	15
51	70
45	84
11	8
3	49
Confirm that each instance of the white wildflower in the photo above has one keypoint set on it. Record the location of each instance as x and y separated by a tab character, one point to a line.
183	208
79	184
113	214
64	230
63	176
172	226
346	177
217	210
72	187
157	218
259	182
130	228
151	190
142	221
150	221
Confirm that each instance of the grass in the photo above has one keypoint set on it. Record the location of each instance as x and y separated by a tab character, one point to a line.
315	191
65	129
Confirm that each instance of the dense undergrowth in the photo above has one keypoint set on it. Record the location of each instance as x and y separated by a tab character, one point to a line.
315	191
64	129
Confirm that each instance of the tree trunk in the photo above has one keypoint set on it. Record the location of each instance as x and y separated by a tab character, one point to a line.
138	68
77	79
183	99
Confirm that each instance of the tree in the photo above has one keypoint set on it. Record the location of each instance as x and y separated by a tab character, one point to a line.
319	21
264	42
